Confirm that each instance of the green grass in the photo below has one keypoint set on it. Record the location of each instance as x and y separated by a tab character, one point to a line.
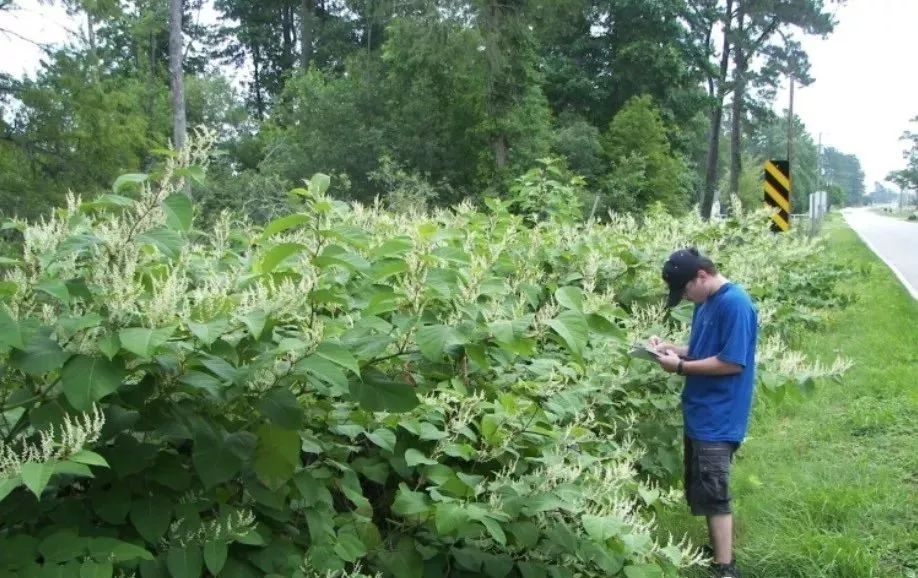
828	487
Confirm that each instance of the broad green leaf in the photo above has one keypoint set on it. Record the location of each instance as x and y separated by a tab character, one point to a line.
151	516
284	223
36	476
178	209
532	569
210	331
194	172
276	255
89	458
10	330
215	552
126	179
108	201
88	379
448	517
7	485
277	455
573	329
90	569
603	326
61	546
109	345
434	339
643	571
166	240
185	562
144	342
282	407
324	370
410	503
55	288
105	548
414	457
375	391
570	298
338	355
494	529
70	468
349	548
255	321
384	438
217	458
601	528
41	354
319	183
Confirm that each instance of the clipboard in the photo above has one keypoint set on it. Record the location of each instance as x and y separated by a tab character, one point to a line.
645	353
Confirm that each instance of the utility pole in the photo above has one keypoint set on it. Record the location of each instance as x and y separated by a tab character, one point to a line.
790	127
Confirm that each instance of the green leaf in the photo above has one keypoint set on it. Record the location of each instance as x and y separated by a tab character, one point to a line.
36	476
324	370
217	458
151	516
573	329
118	551
7	485
178	209
144	342
109	345
55	288
89	458
601	528
277	456
281	407
168	242
194	172
90	569
319	183
41	354
108	201
410	503
130	178
215	552
10	330
448	517
276	255
61	546
414	457
643	571
570	298
210	331
88	379
338	355
70	468
284	223
349	548
185	562
375	391
434	339
384	438
255	321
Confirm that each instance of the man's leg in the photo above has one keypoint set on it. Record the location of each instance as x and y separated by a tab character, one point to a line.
720	528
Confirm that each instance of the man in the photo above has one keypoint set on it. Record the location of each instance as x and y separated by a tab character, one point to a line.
719	364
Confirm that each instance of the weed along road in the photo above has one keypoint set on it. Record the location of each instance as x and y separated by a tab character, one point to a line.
893	240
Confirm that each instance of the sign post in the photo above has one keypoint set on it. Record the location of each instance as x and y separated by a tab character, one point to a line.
777	193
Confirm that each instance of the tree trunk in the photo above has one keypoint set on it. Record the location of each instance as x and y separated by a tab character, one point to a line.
307	19
176	73
256	81
740	65
717	114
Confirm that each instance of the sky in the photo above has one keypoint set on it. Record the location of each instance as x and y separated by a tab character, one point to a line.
864	94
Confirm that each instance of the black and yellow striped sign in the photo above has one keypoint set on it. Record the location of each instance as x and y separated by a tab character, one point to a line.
777	193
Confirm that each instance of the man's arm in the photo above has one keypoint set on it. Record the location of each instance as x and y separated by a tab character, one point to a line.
707	366
660	345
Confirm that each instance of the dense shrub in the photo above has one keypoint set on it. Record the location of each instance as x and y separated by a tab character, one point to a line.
347	389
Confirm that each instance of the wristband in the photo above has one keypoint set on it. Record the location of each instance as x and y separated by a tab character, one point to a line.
679	368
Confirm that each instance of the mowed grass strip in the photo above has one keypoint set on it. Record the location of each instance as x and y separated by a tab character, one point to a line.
827	487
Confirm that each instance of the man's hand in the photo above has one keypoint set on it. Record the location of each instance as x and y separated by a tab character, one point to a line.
669	361
661	346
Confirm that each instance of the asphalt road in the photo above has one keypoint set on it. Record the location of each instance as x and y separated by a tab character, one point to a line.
895	241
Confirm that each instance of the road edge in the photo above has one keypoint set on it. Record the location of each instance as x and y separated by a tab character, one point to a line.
899	275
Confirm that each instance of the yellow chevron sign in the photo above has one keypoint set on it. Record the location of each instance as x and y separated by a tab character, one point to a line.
777	193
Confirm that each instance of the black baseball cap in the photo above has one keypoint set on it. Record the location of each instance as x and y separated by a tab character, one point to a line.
681	267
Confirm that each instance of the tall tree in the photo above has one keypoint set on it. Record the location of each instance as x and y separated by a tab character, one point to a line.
907	177
177	74
764	28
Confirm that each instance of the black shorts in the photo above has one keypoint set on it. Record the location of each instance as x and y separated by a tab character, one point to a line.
707	476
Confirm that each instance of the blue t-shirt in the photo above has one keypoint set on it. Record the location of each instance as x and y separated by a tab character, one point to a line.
716	408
